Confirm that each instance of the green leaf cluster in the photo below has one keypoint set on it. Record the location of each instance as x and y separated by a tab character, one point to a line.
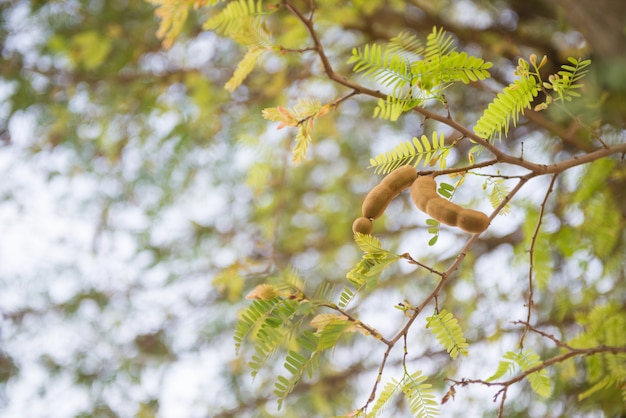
413	152
525	359
276	324
418	394
565	82
279	319
242	21
234	17
446	328
303	116
274	331
507	107
604	325
434	226
297	363
497	194
510	104
415	73
375	259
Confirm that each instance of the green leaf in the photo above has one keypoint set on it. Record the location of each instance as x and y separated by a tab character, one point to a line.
410	152
564	82
445	327
420	397
446	190
391	388
380	64
331	333
438	43
255	314
539	380
392	108
507	107
406	45
499	192
375	260
297	363
506	366
275	331
346	296
598	386
234	16
414	73
244	68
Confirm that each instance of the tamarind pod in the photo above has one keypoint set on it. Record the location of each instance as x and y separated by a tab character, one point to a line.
362	225
472	221
377	201
401	178
423	189
380	196
425	197
443	210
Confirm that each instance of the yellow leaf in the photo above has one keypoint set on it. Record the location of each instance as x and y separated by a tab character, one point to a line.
173	15
322	320
245	67
264	292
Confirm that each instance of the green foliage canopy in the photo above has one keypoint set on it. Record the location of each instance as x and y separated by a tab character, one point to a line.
153	172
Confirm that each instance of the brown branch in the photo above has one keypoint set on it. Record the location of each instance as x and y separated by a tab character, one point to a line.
371	330
501	408
422	265
464	169
573	352
379	378
562	357
538	169
531	256
551	337
500	155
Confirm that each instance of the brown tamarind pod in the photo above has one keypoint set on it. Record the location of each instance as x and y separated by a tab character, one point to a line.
472	221
380	196
401	178
423	189
443	210
362	225
377	201
425	197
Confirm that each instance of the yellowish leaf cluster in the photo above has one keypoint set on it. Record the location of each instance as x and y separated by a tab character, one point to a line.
173	15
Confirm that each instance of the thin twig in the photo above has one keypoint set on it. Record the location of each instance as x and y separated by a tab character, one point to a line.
531	256
379	377
502	400
371	330
551	337
422	265
573	352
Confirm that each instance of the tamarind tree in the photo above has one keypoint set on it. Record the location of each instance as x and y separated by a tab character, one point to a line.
315	208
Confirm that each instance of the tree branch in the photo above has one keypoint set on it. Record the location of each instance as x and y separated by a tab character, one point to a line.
531	254
500	155
573	352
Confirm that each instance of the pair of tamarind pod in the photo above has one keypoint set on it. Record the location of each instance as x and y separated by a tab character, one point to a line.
424	195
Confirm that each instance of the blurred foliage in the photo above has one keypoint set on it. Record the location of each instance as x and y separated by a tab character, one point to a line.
142	201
